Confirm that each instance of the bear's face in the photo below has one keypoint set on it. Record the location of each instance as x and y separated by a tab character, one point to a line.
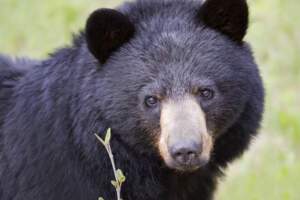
173	93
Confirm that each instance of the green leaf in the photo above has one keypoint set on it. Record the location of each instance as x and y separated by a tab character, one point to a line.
120	176
107	136
115	184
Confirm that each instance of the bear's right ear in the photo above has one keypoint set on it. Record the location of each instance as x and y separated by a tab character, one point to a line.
106	31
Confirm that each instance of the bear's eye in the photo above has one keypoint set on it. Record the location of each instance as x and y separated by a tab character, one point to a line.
151	101
206	93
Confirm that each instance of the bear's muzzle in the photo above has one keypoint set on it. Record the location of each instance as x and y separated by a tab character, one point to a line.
185	143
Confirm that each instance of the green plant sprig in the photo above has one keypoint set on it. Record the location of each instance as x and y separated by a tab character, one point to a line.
119	175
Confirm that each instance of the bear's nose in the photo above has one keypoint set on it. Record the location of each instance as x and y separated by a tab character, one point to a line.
186	154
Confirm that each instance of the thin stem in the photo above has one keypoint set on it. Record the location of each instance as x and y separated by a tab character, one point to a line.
111	157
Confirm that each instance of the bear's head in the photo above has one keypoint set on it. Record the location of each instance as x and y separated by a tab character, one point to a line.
176	75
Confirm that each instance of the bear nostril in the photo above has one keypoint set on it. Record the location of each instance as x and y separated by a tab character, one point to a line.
185	155
192	154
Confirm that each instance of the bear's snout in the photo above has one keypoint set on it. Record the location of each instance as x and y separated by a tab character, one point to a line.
186	153
185	143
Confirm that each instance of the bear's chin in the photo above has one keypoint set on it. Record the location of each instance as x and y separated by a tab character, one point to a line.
182	169
187	170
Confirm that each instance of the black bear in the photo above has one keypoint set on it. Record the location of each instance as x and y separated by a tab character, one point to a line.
173	79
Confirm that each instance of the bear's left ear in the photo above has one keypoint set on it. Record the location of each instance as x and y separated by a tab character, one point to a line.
106	31
229	17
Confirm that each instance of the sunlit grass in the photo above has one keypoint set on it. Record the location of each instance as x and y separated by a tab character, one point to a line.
271	169
35	28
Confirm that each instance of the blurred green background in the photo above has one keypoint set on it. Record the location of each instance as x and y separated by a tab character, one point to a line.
271	169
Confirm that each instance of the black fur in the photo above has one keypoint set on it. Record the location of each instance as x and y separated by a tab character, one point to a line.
10	73
106	31
48	147
227	16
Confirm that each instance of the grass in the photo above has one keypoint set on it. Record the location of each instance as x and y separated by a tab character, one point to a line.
271	169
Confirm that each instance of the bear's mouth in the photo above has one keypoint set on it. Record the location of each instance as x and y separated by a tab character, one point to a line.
185	143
